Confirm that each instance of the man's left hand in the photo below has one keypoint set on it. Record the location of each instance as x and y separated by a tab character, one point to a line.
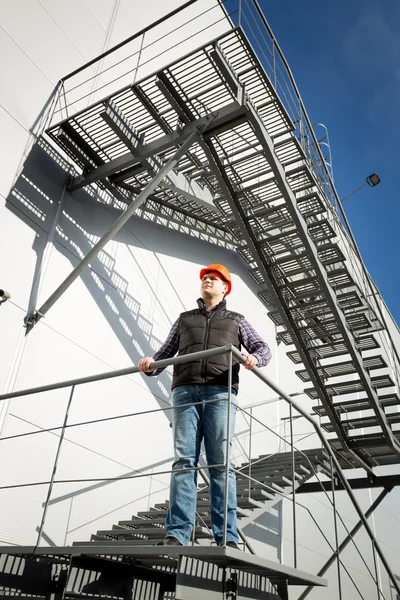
251	361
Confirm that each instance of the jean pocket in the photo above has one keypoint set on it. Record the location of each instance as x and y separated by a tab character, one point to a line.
183	395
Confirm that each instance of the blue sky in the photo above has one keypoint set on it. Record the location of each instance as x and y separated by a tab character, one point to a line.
345	57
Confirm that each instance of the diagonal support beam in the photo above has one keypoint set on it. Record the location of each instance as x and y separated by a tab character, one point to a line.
223	118
119	223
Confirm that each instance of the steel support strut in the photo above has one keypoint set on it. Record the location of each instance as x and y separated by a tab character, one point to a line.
119	223
217	121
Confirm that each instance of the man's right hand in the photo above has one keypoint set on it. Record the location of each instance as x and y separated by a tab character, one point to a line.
144	364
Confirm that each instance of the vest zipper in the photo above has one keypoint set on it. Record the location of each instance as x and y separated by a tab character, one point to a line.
209	316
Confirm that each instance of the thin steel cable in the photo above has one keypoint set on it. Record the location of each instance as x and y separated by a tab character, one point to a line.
96	479
27	55
104	419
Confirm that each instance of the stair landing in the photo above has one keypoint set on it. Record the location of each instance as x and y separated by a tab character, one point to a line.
224	557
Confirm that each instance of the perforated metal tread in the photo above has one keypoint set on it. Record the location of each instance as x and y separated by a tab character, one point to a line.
357	404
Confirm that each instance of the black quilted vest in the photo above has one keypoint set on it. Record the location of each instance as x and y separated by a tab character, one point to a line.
200	329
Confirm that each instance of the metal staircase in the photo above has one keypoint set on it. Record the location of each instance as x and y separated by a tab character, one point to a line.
271	479
248	182
124	562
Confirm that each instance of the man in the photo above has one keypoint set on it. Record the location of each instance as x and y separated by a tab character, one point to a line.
194	383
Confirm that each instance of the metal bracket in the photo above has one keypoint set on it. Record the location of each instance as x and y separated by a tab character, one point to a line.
282	588
231	586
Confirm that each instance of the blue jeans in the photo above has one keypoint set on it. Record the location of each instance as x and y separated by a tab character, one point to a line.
191	424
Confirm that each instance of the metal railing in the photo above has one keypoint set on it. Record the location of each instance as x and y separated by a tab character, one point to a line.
234	355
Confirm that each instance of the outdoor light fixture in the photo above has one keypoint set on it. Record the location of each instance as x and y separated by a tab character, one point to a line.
4	296
373	180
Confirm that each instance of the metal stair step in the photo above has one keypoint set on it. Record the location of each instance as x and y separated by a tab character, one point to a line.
248	503
242	492
160	522
359	404
281	466
136	522
267	470
349	387
361	422
150	532
310	205
258	494
201	507
374	444
280	480
161	505
321	231
100	541
334	349
326	328
344	368
151	513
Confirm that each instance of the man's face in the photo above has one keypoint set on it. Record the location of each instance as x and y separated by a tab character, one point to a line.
213	286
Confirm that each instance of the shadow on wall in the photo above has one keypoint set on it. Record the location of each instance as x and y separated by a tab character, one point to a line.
35	199
82	219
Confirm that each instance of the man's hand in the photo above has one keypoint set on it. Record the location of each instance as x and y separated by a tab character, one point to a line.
251	361
144	364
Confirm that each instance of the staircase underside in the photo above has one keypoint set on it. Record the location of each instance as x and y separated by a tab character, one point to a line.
157	557
126	559
146	574
250	183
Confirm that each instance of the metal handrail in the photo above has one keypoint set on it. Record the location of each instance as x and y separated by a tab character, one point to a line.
234	353
160	364
335	462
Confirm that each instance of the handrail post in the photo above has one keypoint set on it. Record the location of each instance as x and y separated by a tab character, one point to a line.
227	453
378	589
50	489
336	529
293	488
250	445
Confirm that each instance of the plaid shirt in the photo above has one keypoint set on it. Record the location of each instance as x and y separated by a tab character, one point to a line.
248	338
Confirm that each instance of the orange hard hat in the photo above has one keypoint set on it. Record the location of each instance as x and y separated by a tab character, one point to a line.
223	271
